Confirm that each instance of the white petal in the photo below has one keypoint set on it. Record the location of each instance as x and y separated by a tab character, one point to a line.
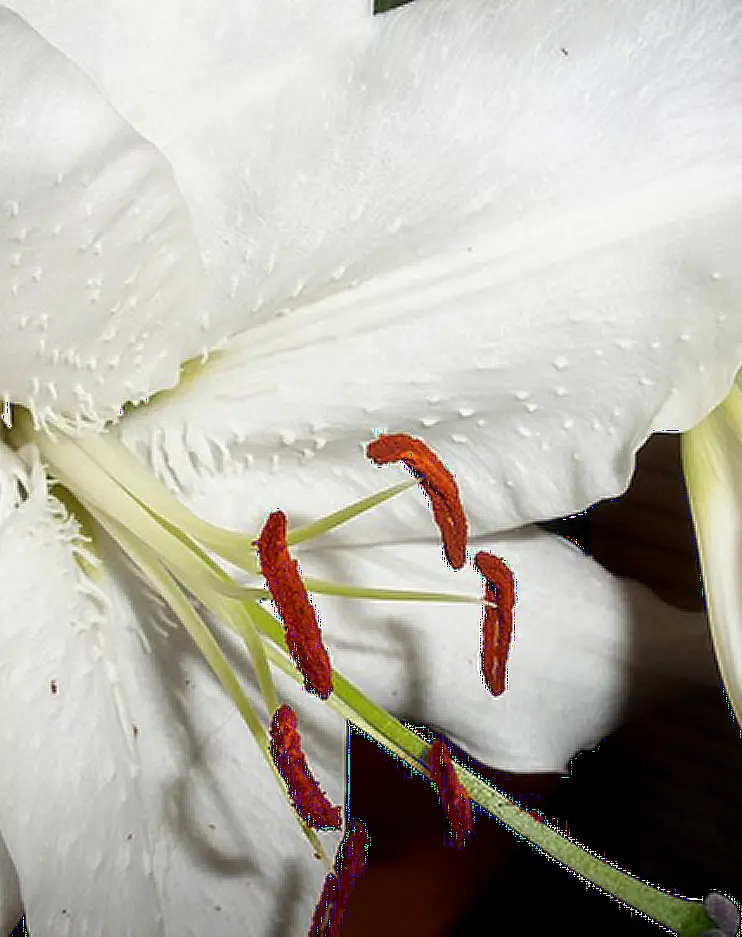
588	647
207	91
133	797
712	465
164	64
12	473
99	258
67	795
532	212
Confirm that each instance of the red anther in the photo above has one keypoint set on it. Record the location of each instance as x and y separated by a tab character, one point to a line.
349	864
454	798
322	921
437	483
303	635
497	626
310	801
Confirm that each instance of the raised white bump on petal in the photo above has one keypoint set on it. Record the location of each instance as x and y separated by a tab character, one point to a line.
511	220
99	273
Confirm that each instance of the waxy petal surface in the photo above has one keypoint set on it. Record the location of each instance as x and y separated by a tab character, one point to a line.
510	228
99	260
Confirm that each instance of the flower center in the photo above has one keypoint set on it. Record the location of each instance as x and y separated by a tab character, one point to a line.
108	489
110	492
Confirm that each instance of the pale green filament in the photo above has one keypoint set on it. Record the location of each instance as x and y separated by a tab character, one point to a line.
169	545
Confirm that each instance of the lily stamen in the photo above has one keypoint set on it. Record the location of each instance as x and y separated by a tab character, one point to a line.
497	624
454	799
310	801
349	864
436	481
303	634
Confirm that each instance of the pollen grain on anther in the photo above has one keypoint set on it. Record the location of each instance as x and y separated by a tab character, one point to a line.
303	634
310	801
497	624
349	865
454	799
436	481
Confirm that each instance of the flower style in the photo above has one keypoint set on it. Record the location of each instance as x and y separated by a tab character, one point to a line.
239	243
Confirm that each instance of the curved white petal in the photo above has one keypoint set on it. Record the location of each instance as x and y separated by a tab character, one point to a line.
68	799
133	799
221	96
589	647
528	216
165	64
712	467
99	260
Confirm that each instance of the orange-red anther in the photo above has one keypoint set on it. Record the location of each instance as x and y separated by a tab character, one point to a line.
349	864
454	799
497	625
437	483
310	801
324	913
303	634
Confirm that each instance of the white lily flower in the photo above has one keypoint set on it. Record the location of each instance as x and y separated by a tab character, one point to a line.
510	227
